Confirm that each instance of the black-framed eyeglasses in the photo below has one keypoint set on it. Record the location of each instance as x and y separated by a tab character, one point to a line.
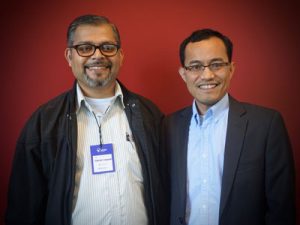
213	67
87	50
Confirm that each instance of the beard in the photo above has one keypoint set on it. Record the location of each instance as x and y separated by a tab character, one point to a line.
96	83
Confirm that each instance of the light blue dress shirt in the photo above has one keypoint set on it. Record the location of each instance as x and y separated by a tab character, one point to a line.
206	144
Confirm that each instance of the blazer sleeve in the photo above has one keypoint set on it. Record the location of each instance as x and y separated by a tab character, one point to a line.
27	187
279	175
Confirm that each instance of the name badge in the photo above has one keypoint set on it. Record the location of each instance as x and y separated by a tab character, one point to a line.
102	159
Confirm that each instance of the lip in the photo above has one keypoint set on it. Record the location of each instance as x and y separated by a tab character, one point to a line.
97	70
207	86
96	67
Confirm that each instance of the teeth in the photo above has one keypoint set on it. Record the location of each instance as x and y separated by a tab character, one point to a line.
96	67
207	86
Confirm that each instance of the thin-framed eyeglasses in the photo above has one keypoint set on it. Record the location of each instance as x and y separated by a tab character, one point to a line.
214	67
87	50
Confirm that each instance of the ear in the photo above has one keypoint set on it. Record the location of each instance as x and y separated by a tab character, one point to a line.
68	56
232	69
121	52
182	73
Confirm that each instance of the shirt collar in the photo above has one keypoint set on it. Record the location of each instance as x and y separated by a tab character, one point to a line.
118	97
214	112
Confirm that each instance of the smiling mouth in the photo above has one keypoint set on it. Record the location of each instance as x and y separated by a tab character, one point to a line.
97	67
207	86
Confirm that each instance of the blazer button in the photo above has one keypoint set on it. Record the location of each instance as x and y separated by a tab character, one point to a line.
180	220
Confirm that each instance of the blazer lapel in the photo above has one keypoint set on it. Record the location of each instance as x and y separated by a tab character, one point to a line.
234	140
180	155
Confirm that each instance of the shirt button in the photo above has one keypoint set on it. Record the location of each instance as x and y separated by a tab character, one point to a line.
204	206
204	181
204	156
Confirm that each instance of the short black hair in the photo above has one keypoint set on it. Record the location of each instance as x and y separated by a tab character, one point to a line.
90	20
204	34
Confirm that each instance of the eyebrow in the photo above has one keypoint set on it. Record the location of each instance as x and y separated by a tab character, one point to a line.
210	61
85	42
92	43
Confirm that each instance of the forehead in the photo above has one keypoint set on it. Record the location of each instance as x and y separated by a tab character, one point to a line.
94	33
206	50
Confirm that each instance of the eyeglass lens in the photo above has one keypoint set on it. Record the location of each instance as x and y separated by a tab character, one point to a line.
86	50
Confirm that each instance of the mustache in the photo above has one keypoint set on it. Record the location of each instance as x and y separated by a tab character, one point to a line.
101	63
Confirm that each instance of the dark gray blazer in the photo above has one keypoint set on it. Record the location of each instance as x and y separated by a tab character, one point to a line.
258	184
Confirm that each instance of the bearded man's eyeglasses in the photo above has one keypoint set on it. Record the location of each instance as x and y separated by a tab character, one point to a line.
87	50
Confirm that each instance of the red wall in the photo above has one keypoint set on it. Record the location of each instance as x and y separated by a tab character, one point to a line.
266	38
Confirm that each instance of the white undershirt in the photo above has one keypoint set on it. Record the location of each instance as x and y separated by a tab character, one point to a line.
99	105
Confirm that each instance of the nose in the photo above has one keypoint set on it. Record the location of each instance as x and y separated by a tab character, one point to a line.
97	54
207	74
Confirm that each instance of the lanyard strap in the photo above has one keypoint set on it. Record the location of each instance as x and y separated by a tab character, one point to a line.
100	133
99	126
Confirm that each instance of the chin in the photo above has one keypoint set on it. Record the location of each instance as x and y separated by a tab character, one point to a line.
93	83
209	101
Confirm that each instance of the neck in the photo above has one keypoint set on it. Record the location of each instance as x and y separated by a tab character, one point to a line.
202	109
98	92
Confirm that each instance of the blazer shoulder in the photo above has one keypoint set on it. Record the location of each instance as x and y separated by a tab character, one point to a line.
184	112
251	108
178	119
253	112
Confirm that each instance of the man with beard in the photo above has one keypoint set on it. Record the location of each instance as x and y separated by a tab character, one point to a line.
89	156
230	162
